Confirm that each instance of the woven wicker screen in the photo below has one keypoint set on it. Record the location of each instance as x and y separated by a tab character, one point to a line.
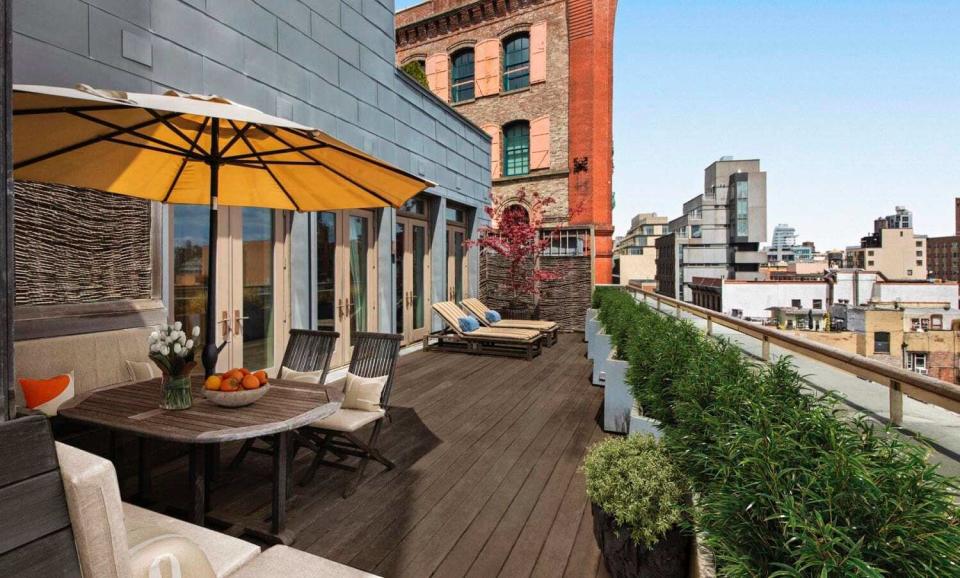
78	245
565	300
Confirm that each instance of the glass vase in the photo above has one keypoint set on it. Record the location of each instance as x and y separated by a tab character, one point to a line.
176	393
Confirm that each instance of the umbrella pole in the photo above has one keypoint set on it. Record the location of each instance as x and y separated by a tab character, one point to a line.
210	350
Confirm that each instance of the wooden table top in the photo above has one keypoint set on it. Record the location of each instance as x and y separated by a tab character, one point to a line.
135	408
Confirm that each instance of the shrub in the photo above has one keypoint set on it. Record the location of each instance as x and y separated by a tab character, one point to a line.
634	480
415	71
788	485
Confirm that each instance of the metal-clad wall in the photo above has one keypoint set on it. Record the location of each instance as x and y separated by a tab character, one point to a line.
324	63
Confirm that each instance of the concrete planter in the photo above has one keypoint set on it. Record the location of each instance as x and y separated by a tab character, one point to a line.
640	424
617	401
601	351
590	326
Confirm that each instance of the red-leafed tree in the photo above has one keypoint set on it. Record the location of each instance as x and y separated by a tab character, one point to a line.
515	234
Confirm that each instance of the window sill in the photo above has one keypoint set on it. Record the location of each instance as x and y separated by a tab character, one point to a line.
515	91
531	176
460	102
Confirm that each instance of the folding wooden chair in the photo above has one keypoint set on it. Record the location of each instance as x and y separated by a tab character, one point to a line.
374	355
306	351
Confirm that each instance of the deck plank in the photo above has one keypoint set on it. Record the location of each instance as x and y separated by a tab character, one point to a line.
487	480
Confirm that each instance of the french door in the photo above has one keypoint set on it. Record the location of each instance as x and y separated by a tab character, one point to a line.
251	288
457	269
412	269
346	277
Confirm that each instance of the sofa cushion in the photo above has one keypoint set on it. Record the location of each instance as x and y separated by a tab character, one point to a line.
156	553
225	553
287	562
142	370
93	499
97	359
47	395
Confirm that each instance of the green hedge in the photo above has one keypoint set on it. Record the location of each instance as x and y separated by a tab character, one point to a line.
788	484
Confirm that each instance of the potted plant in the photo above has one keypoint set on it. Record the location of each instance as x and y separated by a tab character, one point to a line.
515	235
174	353
639	498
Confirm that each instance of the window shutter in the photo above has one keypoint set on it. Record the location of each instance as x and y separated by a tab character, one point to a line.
495	152
540	143
438	75
538	52
488	67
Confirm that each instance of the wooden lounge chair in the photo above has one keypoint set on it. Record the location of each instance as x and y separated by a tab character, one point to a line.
512	342
374	355
306	351
549	329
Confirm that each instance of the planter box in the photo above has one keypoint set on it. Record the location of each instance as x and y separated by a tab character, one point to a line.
590	326
617	401
601	351
640	424
669	558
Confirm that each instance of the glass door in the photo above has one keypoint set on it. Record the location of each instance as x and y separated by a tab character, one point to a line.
412	262
191	245
457	269
357	302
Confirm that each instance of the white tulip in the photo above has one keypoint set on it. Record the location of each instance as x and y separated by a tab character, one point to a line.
196	331
178	326
154	337
165	350
164	327
182	338
154	347
189	344
177	348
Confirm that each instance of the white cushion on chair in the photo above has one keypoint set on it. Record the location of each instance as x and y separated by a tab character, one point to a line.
349	420
290	563
305	376
363	393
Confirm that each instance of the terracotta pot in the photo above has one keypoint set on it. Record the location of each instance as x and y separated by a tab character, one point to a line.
669	558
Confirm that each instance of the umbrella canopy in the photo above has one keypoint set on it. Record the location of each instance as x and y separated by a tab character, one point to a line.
160	147
190	149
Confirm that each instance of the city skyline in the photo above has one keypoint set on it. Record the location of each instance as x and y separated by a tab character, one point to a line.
863	111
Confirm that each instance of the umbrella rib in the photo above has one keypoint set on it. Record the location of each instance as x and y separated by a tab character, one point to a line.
361	156
236	137
339	174
291	149
141	145
80	145
178	132
63	109
183	164
270	172
131	132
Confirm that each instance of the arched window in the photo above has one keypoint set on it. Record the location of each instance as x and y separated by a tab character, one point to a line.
515	213
516	148
516	62
461	75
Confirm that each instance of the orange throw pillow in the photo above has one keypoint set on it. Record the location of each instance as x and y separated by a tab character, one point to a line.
47	395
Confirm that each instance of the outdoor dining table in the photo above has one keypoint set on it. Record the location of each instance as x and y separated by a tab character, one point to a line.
133	408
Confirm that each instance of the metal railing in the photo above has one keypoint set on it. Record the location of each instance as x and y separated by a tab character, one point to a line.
898	381
566	242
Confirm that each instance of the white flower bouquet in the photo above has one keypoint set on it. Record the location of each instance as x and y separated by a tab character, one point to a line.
174	352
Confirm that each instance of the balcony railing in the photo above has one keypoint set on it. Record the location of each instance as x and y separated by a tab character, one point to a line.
898	381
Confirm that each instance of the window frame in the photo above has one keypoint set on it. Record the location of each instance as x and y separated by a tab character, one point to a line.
516	156
513	73
463	89
877	341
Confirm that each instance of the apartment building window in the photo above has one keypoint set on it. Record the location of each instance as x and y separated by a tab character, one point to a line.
919	263
516	149
796	303
743	188
920	324
869	253
910	272
516	62
461	76
936	322
920	244
737	312
818	303
695	231
917	362
919	253
869	263
881	342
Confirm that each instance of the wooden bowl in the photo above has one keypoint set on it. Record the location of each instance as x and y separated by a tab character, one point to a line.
236	398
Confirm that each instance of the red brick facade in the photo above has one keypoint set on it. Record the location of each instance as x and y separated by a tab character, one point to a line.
568	104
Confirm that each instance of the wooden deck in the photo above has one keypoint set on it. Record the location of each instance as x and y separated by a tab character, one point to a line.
487	483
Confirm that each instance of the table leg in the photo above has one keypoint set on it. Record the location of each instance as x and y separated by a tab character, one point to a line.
145	470
198	483
212	458
281	456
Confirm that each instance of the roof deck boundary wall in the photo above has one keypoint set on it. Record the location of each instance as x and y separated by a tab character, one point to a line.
328	64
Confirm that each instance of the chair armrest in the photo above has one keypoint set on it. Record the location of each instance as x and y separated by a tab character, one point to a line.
156	552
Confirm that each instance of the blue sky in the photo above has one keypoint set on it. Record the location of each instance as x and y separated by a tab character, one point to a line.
852	107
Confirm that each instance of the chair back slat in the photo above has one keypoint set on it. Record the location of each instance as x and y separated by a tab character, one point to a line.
376	354
451	315
309	350
36	538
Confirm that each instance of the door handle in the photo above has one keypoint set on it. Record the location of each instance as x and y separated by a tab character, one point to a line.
237	325
225	320
340	307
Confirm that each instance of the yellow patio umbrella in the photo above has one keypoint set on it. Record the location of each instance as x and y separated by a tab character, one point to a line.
190	149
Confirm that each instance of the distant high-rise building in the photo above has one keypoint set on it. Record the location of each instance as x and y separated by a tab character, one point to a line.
892	249
943	253
720	232
635	254
784	248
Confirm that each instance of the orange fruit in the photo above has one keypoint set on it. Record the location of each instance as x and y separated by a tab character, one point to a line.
250	382
234	374
230	384
262	376
213	382
244	371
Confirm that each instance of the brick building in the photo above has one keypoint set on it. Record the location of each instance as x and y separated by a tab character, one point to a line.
536	75
943	253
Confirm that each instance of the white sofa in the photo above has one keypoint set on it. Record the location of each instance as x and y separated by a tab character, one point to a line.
119	540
